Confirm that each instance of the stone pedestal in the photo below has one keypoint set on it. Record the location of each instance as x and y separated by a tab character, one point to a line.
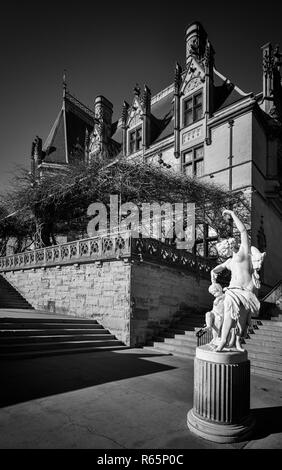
221	411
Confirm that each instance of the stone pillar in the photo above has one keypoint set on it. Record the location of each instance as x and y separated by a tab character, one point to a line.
221	409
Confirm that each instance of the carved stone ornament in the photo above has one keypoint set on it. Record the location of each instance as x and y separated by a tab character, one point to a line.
192	84
193	47
268	63
95	144
134	113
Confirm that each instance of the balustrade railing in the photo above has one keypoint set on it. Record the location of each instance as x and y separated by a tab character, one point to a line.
113	246
154	250
96	248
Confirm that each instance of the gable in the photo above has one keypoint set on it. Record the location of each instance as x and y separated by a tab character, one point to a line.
193	77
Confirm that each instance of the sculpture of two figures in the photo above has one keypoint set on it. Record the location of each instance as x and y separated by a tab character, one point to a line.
234	305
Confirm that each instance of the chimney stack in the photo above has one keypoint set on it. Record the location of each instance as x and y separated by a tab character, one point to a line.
104	112
196	38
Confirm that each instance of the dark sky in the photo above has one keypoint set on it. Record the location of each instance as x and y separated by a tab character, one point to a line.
107	47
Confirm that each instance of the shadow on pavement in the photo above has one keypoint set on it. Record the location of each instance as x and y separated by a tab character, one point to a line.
29	379
268	421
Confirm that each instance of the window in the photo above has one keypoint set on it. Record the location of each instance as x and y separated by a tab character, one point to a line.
135	140
193	161
206	239
193	109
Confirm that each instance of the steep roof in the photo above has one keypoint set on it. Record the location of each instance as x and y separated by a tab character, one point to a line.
225	92
67	137
162	114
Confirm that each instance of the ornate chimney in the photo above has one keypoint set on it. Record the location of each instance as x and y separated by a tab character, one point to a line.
104	112
196	38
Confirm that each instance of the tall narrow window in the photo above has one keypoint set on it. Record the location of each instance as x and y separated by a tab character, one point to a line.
193	161
135	140
193	109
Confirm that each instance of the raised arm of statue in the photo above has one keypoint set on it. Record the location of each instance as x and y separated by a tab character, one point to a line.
244	246
218	269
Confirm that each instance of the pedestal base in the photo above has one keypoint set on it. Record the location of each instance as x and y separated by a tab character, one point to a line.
221	408
222	433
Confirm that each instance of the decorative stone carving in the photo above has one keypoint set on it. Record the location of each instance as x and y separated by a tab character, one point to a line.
177	77
193	134
193	46
192	84
124	113
268	62
95	140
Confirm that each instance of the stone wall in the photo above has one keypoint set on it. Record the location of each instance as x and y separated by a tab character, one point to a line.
158	292
125	296
97	290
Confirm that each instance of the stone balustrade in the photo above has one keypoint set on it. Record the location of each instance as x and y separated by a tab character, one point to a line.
89	249
108	247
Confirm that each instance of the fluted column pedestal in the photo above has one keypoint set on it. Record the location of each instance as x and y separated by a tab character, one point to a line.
221	409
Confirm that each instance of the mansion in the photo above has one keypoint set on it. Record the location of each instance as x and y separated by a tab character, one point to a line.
203	125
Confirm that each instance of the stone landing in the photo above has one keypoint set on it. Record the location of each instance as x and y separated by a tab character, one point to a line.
221	408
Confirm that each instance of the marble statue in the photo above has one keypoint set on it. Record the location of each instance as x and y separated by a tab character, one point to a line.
240	297
214	318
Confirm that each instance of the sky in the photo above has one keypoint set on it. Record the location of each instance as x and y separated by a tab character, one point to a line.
106	48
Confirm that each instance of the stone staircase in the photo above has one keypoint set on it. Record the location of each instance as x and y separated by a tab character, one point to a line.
10	297
51	334
264	343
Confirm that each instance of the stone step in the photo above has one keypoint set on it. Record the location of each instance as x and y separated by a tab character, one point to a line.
266	371
264	350
255	362
13	304
56	352
165	350
56	345
184	350
10	297
189	333
48	326
46	320
270	354
185	341
261	341
54	331
12	340
270	326
266	333
260	356
270	322
192	324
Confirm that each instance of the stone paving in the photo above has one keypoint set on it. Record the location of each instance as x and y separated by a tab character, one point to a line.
130	399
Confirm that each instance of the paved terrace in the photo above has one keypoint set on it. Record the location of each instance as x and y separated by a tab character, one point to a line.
129	399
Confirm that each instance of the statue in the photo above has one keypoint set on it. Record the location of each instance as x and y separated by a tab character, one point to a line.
240	299
214	318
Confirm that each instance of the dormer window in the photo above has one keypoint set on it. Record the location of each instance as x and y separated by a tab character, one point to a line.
193	109
135	140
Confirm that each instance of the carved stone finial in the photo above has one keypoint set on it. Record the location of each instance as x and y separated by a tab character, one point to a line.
177	76
208	56
137	90
124	112
64	82
146	99
268	61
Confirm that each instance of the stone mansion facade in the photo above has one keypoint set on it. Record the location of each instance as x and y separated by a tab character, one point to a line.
201	124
